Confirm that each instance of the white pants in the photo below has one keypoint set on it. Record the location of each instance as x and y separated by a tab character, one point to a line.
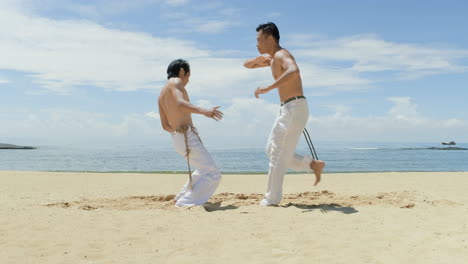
206	177
281	147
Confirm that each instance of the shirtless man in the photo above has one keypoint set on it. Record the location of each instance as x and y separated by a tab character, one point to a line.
176	112
293	115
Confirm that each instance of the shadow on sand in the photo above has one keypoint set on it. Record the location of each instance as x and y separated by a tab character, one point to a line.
212	207
324	208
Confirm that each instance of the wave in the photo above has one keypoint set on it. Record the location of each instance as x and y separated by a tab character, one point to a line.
363	148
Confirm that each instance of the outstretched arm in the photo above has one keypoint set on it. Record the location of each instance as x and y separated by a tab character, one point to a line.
258	62
186	106
291	71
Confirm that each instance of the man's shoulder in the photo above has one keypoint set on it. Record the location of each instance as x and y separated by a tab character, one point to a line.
166	89
282	53
174	83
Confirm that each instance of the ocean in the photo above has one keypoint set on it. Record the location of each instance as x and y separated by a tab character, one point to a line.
340	157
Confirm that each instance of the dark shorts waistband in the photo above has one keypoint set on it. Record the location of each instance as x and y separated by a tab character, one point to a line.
291	99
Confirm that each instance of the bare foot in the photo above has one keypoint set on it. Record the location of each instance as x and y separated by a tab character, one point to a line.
317	166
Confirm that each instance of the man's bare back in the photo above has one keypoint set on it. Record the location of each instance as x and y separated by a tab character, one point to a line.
168	105
175	109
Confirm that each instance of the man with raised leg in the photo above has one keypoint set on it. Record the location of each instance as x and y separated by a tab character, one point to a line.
293	115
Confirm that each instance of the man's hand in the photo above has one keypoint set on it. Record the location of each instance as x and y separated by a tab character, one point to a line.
169	129
213	113
261	90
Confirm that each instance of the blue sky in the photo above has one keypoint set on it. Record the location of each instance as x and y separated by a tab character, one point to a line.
90	71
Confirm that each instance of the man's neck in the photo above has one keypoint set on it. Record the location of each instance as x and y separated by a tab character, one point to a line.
178	79
274	50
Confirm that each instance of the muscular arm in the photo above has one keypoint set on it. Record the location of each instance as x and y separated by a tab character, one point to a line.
291	71
185	105
258	62
165	124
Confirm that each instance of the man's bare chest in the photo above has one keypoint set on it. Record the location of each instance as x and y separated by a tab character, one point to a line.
276	70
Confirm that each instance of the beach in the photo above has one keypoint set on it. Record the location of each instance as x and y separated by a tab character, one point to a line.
401	217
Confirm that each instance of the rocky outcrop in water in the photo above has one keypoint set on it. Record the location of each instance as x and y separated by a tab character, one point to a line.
449	148
10	146
437	148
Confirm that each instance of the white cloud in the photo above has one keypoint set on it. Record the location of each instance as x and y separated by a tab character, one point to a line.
403	108
213	26
224	78
329	80
402	124
2	80
153	115
61	55
247	123
95	9
75	125
368	53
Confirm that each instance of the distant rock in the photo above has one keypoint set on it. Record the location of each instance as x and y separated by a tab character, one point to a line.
436	148
449	148
10	146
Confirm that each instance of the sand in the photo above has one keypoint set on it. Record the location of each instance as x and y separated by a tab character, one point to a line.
89	218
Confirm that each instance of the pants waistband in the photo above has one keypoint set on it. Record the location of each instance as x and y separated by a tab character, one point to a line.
291	99
184	129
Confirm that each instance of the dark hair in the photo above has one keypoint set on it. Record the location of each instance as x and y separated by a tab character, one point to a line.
270	29
174	68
